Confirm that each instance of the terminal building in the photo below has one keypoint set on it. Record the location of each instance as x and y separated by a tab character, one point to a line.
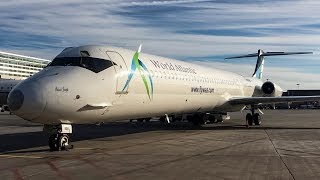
297	105
14	66
306	104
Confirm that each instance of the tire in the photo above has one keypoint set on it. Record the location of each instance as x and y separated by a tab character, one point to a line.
198	120
257	119
53	143
147	120
249	119
162	119
179	118
189	118
63	141
195	120
212	119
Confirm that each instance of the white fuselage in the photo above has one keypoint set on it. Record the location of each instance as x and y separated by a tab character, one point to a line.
159	86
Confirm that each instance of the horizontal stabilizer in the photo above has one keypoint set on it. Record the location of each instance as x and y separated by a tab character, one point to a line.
268	54
260	59
284	53
243	56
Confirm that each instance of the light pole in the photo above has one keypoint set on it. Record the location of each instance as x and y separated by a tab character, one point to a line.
298	86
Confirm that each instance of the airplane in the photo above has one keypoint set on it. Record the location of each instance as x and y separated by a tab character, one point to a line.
6	85
93	84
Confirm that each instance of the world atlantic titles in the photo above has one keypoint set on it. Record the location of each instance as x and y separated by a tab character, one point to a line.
173	67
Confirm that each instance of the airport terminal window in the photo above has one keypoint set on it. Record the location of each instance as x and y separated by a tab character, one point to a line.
93	64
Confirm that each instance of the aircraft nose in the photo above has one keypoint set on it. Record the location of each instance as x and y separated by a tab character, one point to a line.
15	100
27	100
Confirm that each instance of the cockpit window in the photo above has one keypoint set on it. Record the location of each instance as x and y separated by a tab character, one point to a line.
84	53
93	64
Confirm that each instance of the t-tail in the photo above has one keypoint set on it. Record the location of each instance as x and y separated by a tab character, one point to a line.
258	72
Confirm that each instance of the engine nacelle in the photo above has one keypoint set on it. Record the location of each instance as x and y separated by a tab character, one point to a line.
268	88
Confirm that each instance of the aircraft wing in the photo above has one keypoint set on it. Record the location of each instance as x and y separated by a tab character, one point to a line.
266	100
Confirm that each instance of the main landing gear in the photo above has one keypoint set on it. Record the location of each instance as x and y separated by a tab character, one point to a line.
253	118
199	119
59	138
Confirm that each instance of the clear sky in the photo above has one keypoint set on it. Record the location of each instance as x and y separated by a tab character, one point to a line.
203	31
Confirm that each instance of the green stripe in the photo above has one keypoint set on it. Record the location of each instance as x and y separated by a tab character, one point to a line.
136	61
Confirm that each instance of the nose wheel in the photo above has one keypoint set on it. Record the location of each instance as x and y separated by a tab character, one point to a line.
59	140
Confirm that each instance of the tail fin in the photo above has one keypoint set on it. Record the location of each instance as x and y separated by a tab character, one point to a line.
259	65
258	72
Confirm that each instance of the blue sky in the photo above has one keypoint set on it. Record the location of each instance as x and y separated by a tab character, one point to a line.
202	31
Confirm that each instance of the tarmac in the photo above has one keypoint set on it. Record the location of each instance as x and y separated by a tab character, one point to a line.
285	146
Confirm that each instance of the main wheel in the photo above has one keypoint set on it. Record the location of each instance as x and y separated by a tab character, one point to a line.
63	141
177	118
53	142
147	120
257	119
198	120
249	119
162	119
212	119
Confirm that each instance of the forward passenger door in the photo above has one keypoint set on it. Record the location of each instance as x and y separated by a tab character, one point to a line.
121	70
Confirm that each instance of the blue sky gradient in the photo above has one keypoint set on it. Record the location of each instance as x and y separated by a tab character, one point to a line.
201	31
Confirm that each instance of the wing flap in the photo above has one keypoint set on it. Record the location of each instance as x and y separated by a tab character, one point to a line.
265	100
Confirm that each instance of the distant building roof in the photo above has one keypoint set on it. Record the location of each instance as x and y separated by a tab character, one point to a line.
26	57
15	66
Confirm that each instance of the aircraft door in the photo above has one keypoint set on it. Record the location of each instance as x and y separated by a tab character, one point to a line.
121	70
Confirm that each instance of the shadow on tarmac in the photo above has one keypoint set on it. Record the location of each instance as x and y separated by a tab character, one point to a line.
20	141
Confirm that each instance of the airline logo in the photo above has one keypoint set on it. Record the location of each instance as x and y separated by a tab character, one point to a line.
136	64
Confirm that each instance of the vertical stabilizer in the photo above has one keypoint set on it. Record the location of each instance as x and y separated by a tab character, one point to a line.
258	72
259	65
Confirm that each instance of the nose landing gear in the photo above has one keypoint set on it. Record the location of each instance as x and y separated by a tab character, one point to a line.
59	138
58	142
253	118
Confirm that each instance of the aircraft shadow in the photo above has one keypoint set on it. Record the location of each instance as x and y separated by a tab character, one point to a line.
20	141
